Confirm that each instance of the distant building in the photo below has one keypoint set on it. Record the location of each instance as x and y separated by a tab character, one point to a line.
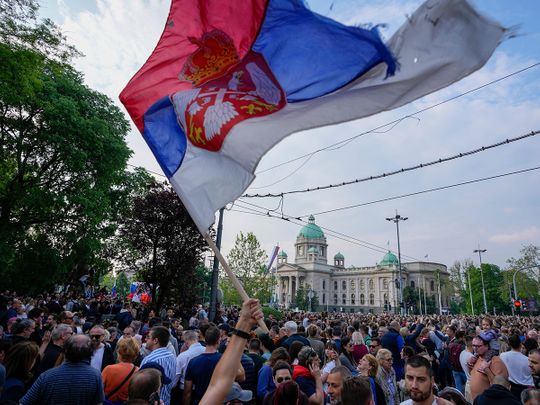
350	289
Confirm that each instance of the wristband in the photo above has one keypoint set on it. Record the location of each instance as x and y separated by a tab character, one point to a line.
240	333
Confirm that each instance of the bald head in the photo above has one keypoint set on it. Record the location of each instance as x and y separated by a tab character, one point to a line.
501	380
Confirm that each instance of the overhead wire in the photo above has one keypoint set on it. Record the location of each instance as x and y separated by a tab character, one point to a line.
399	171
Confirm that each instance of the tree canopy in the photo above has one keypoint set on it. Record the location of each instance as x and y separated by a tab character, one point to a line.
63	155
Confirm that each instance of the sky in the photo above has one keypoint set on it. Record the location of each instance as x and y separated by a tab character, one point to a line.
500	215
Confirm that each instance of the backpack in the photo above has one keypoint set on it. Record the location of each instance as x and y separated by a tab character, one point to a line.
455	350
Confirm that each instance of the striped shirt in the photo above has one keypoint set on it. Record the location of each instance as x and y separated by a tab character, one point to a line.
167	360
69	384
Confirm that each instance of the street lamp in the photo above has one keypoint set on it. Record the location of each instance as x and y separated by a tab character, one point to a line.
480	251
396	220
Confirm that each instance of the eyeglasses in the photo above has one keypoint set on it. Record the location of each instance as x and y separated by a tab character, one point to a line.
477	345
373	346
281	379
95	337
69	317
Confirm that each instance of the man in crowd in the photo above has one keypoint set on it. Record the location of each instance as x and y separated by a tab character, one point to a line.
55	348
517	364
293	336
419	382
534	365
393	341
191	339
335	381
103	355
199	369
315	341
484	371
357	391
75	381
375	346
497	394
157	341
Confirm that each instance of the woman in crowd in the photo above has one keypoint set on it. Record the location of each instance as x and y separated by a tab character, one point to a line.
116	377
369	367
346	357
386	377
331	361
359	347
19	361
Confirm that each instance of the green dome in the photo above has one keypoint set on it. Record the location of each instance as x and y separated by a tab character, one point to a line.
339	256
282	254
311	230
313	250
389	259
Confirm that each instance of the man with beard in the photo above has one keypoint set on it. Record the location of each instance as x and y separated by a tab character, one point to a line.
419	383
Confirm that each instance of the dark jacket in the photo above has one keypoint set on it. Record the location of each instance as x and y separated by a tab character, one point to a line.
411	339
393	341
293	338
496	395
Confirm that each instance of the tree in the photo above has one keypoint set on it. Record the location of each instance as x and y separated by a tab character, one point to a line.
248	262
303	301
528	272
493	280
159	241
63	156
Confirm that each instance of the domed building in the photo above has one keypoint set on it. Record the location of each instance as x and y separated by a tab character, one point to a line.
351	289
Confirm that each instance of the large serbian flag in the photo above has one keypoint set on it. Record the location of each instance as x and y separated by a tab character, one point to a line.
229	79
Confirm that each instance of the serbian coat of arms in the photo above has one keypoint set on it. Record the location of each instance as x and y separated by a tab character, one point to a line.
226	91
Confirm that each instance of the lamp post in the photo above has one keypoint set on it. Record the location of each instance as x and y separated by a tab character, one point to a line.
480	251
396	220
470	289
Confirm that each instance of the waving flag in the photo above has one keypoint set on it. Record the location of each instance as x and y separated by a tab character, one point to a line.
228	80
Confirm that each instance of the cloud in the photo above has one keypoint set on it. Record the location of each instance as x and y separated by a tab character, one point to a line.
523	235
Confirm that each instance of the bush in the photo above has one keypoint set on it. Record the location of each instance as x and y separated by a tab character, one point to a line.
277	313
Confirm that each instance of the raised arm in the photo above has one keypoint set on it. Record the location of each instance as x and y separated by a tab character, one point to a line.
227	367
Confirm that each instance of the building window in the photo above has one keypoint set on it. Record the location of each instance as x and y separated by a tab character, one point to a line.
343	285
371	284
324	298
385	284
362	284
335	299
344	299
385	298
335	285
412	284
362	300
353	300
432	285
324	284
371	299
322	251
352	284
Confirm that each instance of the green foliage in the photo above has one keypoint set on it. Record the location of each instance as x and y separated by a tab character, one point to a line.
248	262
122	285
159	242
63	155
272	311
412	297
302	300
493	280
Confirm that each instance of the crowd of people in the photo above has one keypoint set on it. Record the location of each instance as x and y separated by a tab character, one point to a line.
56	349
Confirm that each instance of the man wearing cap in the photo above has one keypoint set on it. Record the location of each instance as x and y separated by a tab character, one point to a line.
224	330
157	341
393	341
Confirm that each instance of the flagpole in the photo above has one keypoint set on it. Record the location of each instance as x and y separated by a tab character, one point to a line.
234	279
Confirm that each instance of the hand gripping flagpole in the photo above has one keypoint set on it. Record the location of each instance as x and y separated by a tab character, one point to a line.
234	279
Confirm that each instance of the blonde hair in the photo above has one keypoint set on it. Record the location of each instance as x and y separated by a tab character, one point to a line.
373	364
128	349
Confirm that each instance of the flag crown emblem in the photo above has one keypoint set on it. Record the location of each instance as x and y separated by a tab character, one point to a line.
216	53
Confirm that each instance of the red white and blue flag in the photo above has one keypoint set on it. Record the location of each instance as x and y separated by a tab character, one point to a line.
229	79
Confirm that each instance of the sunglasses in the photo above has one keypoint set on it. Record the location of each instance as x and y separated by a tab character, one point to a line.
281	379
96	337
373	346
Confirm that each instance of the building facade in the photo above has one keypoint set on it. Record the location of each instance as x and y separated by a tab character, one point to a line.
351	289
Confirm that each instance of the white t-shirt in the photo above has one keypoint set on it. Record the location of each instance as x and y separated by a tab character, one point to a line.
464	357
410	402
517	365
97	358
